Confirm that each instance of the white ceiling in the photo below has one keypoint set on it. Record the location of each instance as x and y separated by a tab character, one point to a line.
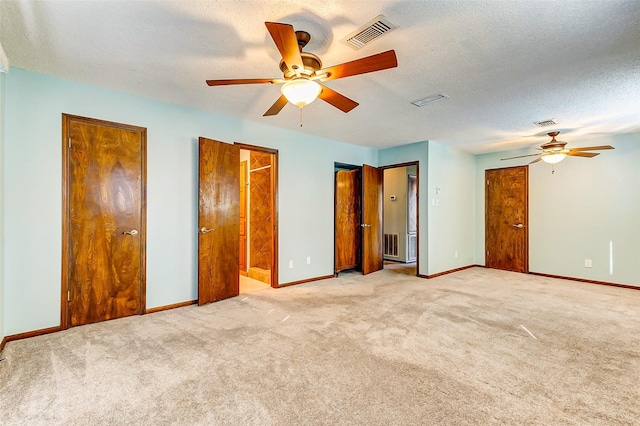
504	64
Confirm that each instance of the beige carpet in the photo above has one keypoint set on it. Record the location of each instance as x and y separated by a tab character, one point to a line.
476	347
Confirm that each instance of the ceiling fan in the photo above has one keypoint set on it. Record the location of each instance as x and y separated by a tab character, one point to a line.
303	71
554	151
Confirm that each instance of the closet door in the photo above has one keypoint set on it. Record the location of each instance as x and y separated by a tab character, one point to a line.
103	266
218	221
506	219
371	219
347	220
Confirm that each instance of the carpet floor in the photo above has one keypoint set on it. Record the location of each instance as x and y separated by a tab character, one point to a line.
479	346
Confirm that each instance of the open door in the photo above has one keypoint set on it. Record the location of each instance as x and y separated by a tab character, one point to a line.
347	216
371	219
218	221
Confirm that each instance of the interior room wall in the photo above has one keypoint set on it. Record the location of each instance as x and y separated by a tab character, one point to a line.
33	181
451	204
407	153
395	211
588	209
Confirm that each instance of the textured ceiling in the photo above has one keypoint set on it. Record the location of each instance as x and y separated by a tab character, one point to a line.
504	64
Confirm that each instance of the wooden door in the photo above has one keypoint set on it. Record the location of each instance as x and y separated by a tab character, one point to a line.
243	217
371	219
347	220
104	199
506	219
218	221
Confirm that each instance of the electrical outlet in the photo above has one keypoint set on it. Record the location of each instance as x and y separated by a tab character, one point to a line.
291	264
588	263
308	260
455	254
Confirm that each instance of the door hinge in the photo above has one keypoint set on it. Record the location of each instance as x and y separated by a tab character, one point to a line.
69	139
487	253
487	182
69	296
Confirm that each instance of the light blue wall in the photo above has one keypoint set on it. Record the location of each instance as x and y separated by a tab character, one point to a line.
33	181
580	212
451	201
2	107
404	154
577	213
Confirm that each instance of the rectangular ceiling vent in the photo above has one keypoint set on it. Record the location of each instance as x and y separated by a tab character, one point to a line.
430	99
546	123
370	31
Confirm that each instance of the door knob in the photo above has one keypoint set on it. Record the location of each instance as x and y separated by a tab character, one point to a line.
204	230
133	232
518	225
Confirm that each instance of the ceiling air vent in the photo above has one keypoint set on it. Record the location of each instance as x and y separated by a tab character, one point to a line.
546	123
430	99
373	29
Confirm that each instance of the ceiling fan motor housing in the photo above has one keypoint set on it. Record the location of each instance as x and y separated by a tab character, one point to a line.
311	64
310	61
553	145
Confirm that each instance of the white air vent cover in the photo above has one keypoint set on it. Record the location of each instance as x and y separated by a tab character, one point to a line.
546	123
430	99
373	29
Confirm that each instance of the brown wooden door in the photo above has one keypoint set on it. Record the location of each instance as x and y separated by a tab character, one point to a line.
104	226
506	220
347	220
218	221
243	217
371	219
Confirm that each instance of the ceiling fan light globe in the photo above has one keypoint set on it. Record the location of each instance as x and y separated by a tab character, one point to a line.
301	91
553	158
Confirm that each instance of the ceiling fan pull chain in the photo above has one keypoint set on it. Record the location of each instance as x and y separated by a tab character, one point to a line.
300	116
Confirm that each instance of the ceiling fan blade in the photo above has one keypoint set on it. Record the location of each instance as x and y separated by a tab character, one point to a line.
521	156
285	39
536	160
337	100
378	62
276	107
242	81
593	148
582	154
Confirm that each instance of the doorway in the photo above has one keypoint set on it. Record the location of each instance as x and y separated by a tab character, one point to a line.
258	200
506	219
104	220
400	218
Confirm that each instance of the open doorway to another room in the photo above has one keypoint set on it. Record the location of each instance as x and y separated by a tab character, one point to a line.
258	189
400	218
